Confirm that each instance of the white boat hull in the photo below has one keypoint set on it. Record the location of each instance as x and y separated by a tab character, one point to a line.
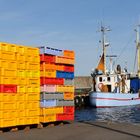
99	99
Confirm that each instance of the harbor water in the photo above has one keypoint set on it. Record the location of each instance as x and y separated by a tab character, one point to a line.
129	114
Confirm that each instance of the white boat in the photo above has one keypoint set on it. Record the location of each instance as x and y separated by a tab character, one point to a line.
112	88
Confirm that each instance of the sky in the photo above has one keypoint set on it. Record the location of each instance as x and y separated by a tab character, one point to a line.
73	25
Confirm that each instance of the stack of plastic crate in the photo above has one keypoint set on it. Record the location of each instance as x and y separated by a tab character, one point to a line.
19	85
57	90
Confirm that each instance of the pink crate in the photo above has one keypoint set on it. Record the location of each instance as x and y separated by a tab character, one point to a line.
48	88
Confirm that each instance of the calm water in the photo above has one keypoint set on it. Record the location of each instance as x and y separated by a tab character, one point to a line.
129	114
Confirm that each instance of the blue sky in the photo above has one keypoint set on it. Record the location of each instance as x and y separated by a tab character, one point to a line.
73	24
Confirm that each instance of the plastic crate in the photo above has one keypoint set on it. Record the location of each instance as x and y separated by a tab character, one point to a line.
48	103
8	122
61	88
32	120
31	104
3	46
68	96
68	110
21	49
8	105
65	117
69	68
8	97
33	81
32	66
32	89
21	89
21	65
47	58
7	114
21	96
64	60
66	75
7	64
21	73
8	88
69	82
60	67
32	50
32	58
48	73
48	118
22	81
47	66
32	96
21	113
68	102
12	48
21	105
51	51
68	54
35	74
51	81
5	55
8	80
52	110
32	112
7	72
20	121
20	57
48	88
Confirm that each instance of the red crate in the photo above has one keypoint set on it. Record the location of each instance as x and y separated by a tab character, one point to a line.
8	88
64	117
69	68
47	58
51	81
68	109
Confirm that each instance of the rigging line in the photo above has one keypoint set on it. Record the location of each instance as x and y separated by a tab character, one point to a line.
123	49
135	61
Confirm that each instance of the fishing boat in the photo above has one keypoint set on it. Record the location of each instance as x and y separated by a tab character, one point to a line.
112	88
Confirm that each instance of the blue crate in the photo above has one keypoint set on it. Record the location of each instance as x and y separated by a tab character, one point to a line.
66	75
135	85
51	51
48	103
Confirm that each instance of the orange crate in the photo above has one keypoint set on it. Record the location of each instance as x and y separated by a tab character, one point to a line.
32	120
68	54
48	73
32	112
21	65
32	66
60	67
20	121
68	96
20	57
8	105
32	104
7	64
64	60
32	50
22	81
21	113
8	80
47	66
61	88
7	114
21	96
32	58
21	105
7	72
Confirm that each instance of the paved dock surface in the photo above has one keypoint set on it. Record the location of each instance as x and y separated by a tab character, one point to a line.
78	131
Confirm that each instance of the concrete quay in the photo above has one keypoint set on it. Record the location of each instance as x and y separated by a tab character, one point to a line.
79	131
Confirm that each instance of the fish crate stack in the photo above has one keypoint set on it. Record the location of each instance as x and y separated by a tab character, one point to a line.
19	85
57	85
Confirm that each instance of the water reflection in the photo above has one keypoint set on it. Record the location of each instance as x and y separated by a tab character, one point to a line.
129	114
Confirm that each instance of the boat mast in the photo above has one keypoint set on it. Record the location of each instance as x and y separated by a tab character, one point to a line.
104	45
138	48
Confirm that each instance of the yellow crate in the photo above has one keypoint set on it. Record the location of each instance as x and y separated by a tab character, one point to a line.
5	55
29	73
3	46
32	96
33	51
12	48
21	73
7	72
22	81
8	105
8	64
8	122
35	74
21	105
21	65
32	89
33	81
32	112
20	57
49	111
9	97
8	80
7	114
31	58
21	113
61	88
32	104
21	89
21	96
21	49
48	118
32	120
20	121
32	66
48	73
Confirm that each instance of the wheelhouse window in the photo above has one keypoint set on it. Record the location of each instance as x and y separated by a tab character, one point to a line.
100	79
108	79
